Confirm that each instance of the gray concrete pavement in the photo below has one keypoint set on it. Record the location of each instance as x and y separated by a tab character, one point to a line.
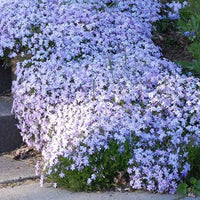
34	192
12	170
20	175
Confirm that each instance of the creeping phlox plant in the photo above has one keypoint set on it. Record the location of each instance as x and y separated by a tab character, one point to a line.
94	96
173	9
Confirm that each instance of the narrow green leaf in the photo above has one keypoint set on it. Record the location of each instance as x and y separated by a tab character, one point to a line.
182	189
193	180
197	185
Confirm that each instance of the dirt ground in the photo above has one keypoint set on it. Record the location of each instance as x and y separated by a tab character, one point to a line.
174	46
24	153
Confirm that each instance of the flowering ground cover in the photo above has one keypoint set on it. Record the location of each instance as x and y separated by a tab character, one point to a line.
95	95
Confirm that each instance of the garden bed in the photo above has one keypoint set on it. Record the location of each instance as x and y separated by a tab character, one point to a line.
97	98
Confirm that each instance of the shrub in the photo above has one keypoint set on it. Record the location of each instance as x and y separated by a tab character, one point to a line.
96	89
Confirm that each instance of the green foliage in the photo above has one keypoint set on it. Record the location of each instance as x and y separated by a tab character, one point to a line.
192	187
74	180
194	161
189	25
190	19
193	66
105	164
182	189
192	182
165	25
195	50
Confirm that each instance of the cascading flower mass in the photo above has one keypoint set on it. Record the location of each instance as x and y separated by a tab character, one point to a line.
91	74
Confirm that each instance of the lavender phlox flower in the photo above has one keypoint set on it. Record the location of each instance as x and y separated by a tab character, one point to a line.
175	7
62	175
192	34
187	33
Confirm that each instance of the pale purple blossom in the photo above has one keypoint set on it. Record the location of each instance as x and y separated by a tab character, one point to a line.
62	175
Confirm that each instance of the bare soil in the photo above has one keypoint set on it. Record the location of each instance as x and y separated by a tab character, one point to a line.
174	46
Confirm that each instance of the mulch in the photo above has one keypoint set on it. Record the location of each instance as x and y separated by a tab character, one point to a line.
28	154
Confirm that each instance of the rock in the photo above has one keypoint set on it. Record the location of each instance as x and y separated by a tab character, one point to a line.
5	79
10	137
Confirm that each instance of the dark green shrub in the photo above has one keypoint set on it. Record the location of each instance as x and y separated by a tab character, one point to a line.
194	161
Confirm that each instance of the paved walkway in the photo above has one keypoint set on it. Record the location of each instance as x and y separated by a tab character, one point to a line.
19	182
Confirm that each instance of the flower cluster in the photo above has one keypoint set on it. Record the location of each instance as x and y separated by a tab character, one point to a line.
187	34
172	9
93	75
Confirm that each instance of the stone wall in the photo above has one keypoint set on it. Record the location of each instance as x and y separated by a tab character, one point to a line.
5	79
10	137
